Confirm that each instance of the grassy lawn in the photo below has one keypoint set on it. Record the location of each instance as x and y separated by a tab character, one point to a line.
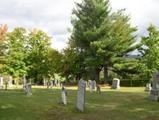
123	104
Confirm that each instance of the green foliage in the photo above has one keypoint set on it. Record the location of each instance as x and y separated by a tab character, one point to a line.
54	60
149	62
102	38
114	48
16	53
127	68
72	62
38	45
3	46
132	82
90	23
28	53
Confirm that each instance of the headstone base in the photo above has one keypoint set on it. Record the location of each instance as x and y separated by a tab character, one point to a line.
154	95
148	87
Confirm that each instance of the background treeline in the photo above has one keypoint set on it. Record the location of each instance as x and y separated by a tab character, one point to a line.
100	47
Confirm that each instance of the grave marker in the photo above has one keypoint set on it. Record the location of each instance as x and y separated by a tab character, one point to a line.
64	96
81	95
154	93
116	83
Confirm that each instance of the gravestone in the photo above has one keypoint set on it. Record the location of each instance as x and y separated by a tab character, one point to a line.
81	95
154	93
64	96
1	82
24	81
98	90
51	84
44	81
92	85
116	83
148	87
28	89
88	84
10	81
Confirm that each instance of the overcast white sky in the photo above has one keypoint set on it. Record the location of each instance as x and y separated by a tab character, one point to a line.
53	16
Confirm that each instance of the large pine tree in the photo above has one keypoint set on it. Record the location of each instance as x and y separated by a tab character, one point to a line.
102	37
91	23
114	48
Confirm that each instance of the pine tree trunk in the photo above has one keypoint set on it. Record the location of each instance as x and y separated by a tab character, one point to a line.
96	75
106	74
6	85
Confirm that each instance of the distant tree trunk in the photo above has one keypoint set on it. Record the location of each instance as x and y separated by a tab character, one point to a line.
44	81
78	77
36	78
106	74
6	85
96	75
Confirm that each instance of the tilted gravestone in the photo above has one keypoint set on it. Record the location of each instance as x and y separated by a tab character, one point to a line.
64	96
154	93
116	83
148	87
81	95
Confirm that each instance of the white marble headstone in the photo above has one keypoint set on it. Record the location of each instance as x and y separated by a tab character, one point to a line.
10	81
148	87
116	83
1	82
64	96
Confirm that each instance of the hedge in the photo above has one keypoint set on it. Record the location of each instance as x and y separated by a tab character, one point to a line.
131	83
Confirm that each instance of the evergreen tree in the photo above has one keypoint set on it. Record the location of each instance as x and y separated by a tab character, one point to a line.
90	23
114	48
103	38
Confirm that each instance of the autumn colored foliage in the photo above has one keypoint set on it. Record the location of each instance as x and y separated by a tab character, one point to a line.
3	31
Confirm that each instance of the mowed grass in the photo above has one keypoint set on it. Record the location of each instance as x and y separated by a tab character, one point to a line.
123	104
